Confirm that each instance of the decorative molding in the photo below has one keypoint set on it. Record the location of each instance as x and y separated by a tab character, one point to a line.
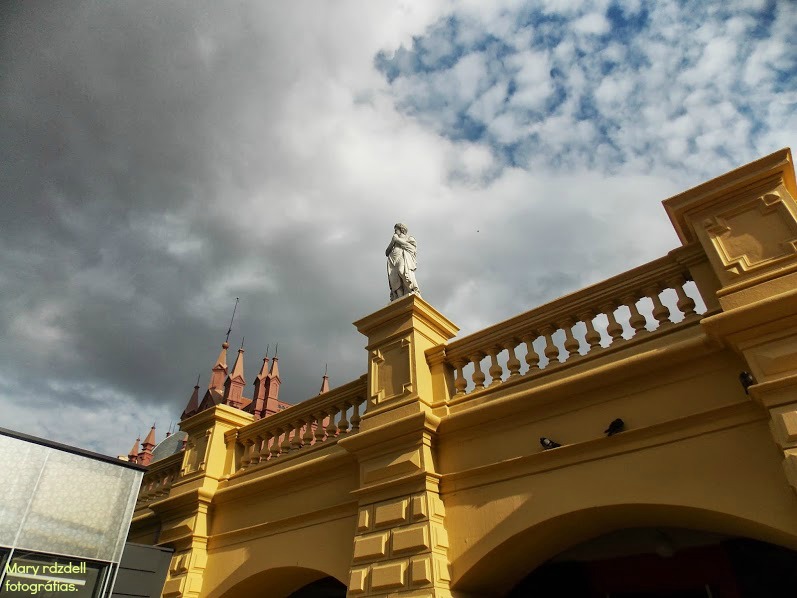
754	234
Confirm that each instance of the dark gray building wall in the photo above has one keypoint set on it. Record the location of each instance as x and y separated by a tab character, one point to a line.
142	571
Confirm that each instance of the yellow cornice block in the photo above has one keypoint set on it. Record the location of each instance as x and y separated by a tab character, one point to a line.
778	165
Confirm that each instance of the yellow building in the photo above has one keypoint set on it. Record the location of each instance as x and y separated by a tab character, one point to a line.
427	476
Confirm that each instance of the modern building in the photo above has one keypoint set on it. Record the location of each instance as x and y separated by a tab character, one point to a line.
64	518
635	438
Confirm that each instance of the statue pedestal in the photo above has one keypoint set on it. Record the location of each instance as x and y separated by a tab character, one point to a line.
401	542
400	380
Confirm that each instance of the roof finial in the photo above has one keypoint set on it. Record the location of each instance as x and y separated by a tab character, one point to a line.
325	369
276	349
242	341
267	348
227	340
197	380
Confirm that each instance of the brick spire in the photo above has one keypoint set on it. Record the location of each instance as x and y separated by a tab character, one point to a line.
274	379
132	456
258	403
219	372
145	456
193	402
234	385
273	386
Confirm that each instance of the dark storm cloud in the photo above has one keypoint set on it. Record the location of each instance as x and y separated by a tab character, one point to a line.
120	121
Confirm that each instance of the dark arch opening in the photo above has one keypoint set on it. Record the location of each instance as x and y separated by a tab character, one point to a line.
326	587
665	563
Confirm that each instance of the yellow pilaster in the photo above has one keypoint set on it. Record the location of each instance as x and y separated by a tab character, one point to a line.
184	516
401	541
746	222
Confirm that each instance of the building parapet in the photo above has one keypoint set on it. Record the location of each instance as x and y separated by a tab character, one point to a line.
313	423
159	479
638	297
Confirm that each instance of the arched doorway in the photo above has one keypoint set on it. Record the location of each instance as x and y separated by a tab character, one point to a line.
327	587
665	563
284	582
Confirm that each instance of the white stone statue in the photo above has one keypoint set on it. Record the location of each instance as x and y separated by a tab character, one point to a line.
402	260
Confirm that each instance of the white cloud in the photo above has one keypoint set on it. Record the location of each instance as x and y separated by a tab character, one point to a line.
593	23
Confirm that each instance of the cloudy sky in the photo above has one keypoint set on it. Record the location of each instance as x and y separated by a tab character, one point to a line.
160	159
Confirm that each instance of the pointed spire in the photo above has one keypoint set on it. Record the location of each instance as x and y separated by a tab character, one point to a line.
234	385
219	372
325	382
257	405
193	402
238	366
273	386
132	456
275	370
145	455
150	439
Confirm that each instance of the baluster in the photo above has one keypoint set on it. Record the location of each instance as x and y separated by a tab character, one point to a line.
307	439
637	321
254	452
593	337
478	376
343	424
614	329
254	459
296	441
246	454
551	350
685	303
495	371
262	448
285	447
571	343
320	431
660	311
459	380
513	363
275	444
532	359
332	429
355	416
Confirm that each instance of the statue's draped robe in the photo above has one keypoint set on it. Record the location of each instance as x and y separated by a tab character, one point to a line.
401	265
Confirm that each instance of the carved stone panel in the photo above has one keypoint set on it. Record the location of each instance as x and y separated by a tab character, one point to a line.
754	234
391	371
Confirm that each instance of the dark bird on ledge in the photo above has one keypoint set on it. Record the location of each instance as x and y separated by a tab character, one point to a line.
616	426
547	443
747	380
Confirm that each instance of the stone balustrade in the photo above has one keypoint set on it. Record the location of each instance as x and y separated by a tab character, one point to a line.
640	302
159	479
317	422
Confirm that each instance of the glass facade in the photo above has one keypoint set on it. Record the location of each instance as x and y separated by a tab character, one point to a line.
64	517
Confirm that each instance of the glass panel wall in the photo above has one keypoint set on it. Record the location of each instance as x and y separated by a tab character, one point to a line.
64	517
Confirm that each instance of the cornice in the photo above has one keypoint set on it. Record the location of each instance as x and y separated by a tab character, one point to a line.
777	166
411	305
376	439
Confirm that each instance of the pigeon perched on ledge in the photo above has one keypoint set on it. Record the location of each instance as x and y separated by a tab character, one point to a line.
547	443
616	426
747	380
